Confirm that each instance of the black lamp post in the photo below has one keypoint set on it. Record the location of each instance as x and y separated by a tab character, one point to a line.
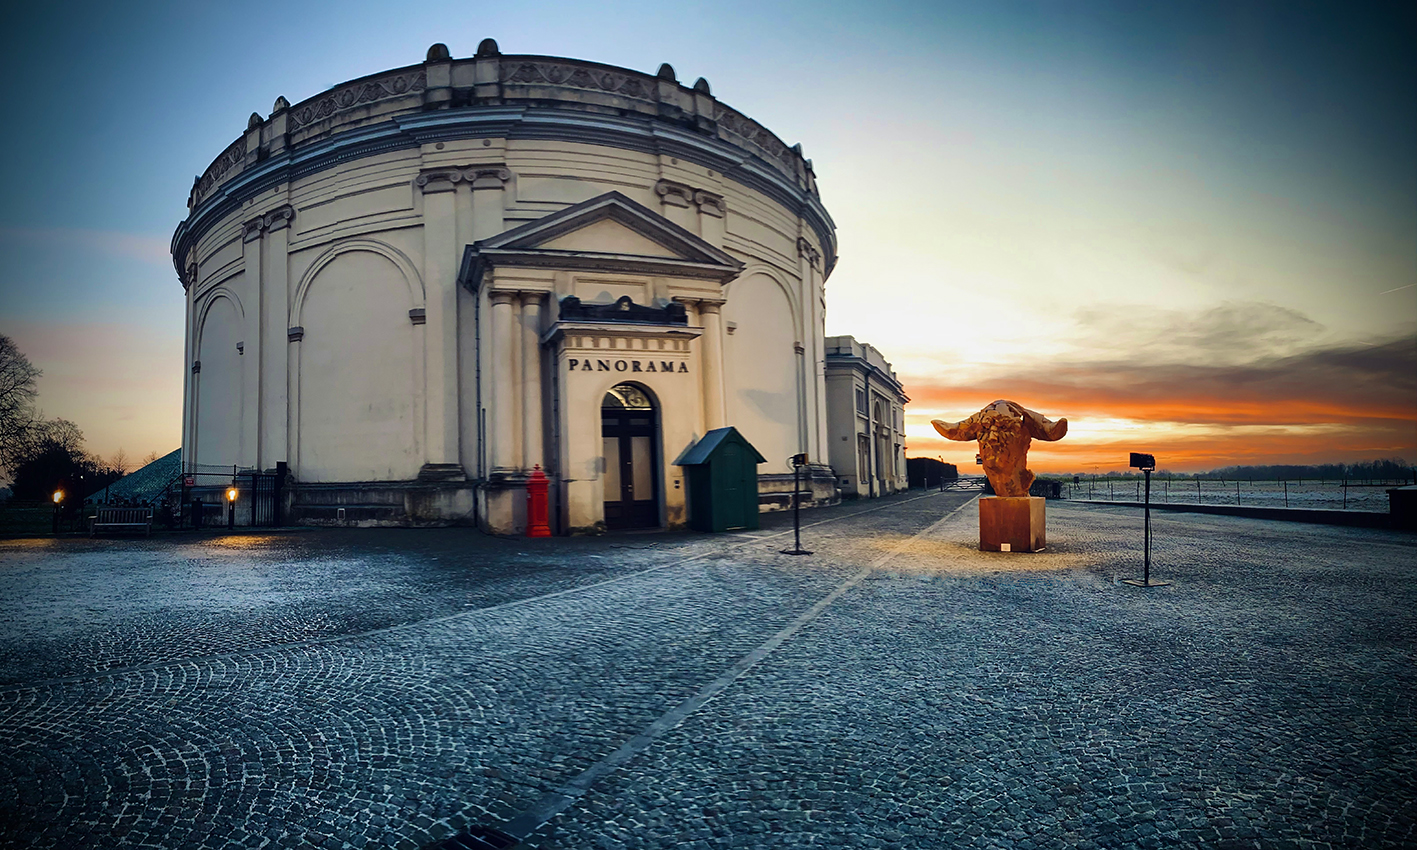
58	506
231	507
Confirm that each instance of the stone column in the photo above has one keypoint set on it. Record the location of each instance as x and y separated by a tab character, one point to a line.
440	259
275	316
248	452
715	415
533	427
504	339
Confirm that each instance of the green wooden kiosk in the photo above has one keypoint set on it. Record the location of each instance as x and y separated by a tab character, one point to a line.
722	469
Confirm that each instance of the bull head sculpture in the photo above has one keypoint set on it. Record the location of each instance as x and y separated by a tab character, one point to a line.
1004	430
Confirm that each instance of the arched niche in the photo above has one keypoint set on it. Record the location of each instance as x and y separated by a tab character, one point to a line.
217	386
357	384
761	369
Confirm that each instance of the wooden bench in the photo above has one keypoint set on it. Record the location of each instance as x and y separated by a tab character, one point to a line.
121	519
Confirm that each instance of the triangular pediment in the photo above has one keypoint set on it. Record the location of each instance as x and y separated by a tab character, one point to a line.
608	231
610	236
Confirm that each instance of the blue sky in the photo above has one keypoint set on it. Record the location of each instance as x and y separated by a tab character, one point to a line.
1031	197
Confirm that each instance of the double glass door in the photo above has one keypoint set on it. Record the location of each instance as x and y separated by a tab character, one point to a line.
628	435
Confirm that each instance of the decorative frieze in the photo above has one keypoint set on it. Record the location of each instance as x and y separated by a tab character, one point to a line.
357	94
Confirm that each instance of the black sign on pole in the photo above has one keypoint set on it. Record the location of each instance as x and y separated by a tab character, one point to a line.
1147	464
798	461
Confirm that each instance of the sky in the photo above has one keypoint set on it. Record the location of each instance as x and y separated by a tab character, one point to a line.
1190	229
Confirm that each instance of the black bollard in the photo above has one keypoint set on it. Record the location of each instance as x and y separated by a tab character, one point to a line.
1147	463
798	461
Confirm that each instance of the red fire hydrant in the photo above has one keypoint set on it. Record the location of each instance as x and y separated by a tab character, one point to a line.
536	504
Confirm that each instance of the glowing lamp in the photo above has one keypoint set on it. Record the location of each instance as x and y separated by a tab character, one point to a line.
58	496
231	494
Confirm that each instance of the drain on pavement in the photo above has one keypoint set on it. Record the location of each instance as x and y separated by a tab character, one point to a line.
476	838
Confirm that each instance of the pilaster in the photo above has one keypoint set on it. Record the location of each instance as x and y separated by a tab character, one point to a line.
488	202
440	254
809	267
274	350
249	447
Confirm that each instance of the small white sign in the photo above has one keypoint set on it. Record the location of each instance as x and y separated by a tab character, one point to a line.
1006	547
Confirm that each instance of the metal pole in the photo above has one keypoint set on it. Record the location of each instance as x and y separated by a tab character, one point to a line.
796	507
1146	558
796	513
1286	494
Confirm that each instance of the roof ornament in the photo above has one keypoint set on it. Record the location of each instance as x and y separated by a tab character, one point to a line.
281	105
488	47
666	72
701	85
438	53
254	121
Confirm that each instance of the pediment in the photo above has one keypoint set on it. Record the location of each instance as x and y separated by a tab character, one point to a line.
607	232
610	236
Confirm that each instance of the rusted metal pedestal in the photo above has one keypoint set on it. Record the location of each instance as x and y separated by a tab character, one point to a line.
1012	524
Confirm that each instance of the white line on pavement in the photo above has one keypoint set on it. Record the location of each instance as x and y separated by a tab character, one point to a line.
556	801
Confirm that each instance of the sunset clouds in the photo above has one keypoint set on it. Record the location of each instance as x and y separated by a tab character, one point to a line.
1239	383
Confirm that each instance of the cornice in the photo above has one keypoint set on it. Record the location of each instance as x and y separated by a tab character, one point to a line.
520	123
493	95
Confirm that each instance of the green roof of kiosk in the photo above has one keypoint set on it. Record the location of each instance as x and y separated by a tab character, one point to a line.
701	451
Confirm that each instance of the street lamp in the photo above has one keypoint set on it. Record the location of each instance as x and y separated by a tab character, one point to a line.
58	500
231	506
942	472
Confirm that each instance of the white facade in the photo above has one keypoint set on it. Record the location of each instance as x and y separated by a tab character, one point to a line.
866	419
377	286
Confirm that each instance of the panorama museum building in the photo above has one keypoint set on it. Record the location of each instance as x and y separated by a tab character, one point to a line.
416	290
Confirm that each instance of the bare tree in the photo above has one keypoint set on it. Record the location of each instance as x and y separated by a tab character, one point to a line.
18	419
150	457
119	462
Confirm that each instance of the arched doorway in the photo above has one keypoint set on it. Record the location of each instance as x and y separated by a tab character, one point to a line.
629	437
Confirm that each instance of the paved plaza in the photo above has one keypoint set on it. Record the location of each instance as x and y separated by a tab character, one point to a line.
896	689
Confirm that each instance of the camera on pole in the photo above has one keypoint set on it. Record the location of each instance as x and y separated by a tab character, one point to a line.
798	461
1147	464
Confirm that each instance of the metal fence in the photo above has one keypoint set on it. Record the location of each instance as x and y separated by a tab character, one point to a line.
1327	494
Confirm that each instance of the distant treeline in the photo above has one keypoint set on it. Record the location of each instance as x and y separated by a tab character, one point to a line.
1389	469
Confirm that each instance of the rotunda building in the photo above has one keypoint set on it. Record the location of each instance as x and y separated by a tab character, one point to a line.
413	291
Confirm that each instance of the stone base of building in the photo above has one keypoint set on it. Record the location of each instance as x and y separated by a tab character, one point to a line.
1018	523
818	483
501	503
369	504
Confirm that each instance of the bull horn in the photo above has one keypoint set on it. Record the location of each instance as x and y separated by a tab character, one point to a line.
1042	428
965	429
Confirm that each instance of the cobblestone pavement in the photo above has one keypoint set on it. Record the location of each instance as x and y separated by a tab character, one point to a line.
896	689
